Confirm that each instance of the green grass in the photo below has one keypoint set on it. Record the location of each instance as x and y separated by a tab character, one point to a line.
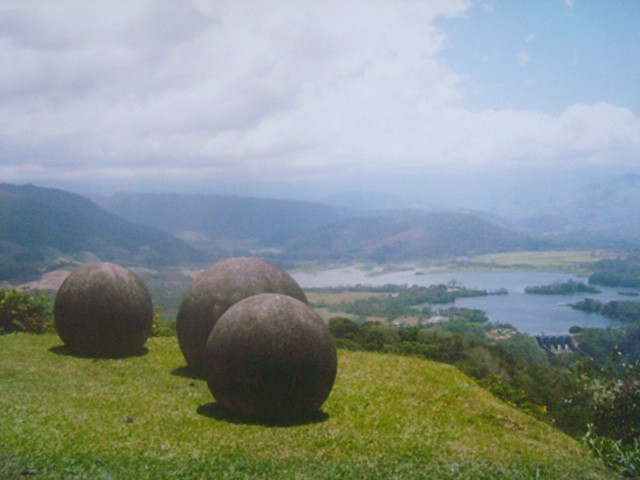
388	417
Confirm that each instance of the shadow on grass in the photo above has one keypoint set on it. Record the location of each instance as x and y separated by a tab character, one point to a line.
66	351
187	371
218	412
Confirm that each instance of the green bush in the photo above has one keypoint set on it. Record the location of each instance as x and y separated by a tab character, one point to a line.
623	458
160	328
22	311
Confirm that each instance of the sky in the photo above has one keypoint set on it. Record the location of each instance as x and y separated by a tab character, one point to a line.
492	103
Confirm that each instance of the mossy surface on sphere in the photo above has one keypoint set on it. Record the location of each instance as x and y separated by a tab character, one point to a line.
219	287
103	310
270	356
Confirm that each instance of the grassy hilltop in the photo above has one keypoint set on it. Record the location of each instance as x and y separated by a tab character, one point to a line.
144	417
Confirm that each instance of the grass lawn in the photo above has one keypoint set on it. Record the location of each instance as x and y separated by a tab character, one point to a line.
144	417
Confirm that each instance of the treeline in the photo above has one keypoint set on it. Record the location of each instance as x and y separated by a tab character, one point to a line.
622	272
569	287
623	311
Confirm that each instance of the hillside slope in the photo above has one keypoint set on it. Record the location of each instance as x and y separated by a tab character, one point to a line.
409	237
39	224
218	218
144	417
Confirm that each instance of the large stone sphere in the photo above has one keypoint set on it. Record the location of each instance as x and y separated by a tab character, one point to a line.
103	310
270	356
216	289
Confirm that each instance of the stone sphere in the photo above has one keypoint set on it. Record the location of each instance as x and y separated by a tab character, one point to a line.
103	310
216	289
270	356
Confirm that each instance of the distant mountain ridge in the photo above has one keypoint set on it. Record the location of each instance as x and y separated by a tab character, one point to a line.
410	237
607	213
218	218
39	225
309	231
42	229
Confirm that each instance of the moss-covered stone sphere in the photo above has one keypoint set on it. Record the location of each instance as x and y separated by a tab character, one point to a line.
103	310
270	356
216	289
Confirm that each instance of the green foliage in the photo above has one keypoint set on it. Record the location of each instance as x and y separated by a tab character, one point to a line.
525	351
353	336
622	458
622	272
473	315
160	328
569	287
617	412
623	311
588	305
22	311
626	311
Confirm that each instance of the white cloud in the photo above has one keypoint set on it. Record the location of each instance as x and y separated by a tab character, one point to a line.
260	90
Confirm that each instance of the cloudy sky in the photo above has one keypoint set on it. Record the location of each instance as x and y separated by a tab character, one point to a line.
436	99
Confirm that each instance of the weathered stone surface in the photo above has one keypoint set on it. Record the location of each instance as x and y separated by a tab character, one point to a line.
103	310
219	287
270	356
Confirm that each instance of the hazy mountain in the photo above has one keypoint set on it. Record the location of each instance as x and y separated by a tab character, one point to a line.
409	237
39	225
320	232
43	228
217	219
603	213
375	201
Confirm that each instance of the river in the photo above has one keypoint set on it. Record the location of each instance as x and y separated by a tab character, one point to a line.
534	314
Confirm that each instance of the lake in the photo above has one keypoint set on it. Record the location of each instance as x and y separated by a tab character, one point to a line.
529	313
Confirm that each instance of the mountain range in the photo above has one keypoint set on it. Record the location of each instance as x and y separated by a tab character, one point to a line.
42	228
606	214
208	221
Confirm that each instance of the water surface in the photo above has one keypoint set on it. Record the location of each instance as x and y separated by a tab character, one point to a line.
529	313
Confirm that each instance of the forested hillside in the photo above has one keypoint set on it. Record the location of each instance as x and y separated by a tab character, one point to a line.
40	228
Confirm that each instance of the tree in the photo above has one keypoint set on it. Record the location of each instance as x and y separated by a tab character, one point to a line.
21	311
341	327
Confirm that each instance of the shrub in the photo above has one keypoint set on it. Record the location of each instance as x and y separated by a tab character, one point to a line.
160	328
22	311
623	458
